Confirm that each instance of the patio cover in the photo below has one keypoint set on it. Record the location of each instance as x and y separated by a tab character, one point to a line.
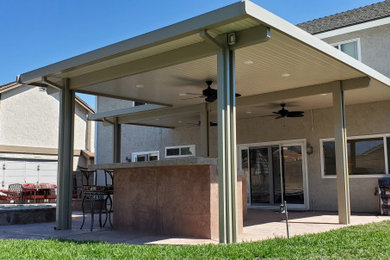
270	60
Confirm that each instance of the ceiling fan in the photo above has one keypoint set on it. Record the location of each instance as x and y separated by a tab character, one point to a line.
285	113
210	94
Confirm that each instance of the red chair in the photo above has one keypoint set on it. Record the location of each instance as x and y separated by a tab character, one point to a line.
31	192
14	192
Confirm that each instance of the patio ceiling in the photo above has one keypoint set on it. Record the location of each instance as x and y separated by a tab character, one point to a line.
173	61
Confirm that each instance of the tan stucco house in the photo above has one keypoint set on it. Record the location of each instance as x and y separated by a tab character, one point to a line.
29	135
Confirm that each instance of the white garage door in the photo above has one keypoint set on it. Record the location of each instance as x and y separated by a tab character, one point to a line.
27	172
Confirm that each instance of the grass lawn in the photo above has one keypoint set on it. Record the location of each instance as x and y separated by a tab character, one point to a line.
365	241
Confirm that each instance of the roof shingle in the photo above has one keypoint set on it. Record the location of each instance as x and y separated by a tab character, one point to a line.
347	18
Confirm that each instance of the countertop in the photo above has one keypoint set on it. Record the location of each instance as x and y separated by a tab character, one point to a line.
167	162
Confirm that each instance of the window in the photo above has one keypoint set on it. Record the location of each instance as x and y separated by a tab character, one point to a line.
179	151
367	155
351	47
145	156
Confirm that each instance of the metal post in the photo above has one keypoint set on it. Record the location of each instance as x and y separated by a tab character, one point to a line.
227	165
204	131
65	158
117	142
340	133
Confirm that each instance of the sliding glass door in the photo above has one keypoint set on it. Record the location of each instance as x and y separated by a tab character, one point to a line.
275	172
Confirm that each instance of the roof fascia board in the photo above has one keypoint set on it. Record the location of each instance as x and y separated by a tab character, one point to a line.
84	105
193	25
293	31
13	85
32	150
120	112
353	28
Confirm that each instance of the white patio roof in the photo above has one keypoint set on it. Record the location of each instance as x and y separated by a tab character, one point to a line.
177	59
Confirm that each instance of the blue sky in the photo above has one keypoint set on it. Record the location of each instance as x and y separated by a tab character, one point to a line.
35	33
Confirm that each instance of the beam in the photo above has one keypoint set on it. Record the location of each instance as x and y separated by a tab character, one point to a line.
130	115
169	58
349	84
159	113
340	133
117	141
204	150
120	97
65	158
191	52
121	112
151	125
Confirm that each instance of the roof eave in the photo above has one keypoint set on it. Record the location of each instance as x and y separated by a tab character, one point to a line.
291	30
196	24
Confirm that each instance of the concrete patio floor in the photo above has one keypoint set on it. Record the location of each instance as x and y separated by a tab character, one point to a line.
260	225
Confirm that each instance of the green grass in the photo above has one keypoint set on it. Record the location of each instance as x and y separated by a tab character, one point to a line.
370	241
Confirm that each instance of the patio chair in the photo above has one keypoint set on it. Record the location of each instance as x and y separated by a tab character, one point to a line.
49	191
98	195
31	192
15	192
384	189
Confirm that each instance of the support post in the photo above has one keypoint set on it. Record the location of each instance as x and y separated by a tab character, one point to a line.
65	158
204	131
227	170
340	133
117	141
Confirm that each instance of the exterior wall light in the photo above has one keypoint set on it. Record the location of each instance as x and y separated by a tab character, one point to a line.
309	148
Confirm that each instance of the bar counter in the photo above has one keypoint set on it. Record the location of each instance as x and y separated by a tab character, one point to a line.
169	197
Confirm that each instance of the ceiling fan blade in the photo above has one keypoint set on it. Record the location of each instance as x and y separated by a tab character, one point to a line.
276	113
238	95
295	114
279	117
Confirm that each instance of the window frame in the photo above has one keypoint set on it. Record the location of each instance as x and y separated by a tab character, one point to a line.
135	154
357	40
385	153
191	146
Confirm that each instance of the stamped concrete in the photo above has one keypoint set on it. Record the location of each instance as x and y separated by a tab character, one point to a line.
260	225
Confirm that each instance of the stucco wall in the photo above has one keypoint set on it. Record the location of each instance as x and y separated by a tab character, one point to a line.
30	117
362	119
374	43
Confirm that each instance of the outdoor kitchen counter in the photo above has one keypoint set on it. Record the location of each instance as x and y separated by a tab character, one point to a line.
168	162
172	197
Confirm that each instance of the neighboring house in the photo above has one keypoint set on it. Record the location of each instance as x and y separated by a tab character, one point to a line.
29	135
304	146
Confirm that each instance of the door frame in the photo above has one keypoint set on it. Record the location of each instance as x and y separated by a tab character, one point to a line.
305	178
